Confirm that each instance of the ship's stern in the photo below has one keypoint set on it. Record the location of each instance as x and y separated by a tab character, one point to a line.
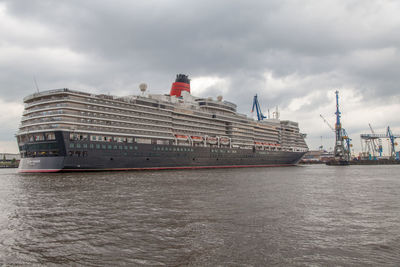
41	151
41	164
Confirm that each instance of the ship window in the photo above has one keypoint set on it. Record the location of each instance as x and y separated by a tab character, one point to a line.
78	145
84	145
93	138
39	137
136	148
50	136
109	146
130	147
71	145
120	147
91	146
98	146
125	147
103	146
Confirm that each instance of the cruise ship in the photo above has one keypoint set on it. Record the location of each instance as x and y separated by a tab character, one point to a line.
68	130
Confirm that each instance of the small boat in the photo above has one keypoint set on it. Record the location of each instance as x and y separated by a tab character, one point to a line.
181	137
212	140
224	140
197	138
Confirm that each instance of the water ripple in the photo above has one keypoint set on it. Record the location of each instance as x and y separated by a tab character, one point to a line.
301	216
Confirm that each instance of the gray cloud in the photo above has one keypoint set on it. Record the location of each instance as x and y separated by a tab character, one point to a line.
282	50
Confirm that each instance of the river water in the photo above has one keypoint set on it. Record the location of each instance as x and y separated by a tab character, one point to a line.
287	216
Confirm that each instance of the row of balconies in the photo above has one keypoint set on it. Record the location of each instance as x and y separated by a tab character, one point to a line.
81	104
73	110
197	124
43	107
51	99
104	123
202	131
62	126
189	118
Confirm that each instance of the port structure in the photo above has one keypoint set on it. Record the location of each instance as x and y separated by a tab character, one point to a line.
377	147
256	105
372	143
393	143
370	140
342	140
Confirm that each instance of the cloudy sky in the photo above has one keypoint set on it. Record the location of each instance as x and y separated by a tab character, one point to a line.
293	54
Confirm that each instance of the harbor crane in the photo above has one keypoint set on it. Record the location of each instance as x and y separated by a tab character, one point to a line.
393	144
387	135
256	105
327	123
342	140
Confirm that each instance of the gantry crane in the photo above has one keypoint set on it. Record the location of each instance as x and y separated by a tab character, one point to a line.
388	135
393	144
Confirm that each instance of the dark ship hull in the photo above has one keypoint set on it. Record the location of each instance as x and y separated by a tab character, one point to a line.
63	155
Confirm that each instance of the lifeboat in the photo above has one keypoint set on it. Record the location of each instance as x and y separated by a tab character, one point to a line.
197	138
224	140
181	137
212	140
258	144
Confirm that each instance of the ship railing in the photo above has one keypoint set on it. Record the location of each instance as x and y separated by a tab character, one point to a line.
48	100
44	107
79	119
71	106
116	119
107	104
54	91
197	120
197	129
127	110
52	125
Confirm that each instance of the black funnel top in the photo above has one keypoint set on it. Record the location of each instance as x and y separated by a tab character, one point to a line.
182	78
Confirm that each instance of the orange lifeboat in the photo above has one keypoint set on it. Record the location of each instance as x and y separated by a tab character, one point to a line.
212	140
181	137
224	140
197	138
